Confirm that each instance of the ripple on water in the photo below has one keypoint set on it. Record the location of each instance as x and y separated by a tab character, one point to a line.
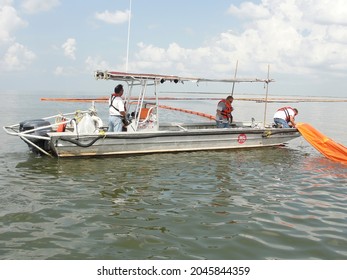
271	203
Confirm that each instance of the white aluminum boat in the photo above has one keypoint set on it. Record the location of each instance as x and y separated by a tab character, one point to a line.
83	133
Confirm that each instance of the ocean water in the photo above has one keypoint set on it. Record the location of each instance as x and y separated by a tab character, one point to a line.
285	202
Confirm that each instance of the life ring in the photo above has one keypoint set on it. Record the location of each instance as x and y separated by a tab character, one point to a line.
97	122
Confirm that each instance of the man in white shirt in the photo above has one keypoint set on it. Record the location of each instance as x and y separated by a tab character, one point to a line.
116	110
285	117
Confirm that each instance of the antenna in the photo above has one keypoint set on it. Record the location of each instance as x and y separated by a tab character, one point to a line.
128	41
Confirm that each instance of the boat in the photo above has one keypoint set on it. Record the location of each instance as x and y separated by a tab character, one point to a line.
83	133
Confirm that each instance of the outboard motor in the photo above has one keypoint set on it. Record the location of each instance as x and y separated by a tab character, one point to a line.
36	124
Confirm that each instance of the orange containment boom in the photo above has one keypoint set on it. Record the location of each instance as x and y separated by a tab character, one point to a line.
323	144
189	112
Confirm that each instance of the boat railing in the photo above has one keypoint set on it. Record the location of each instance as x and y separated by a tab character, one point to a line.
29	135
14	129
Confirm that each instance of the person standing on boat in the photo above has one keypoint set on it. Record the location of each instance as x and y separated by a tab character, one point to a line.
224	109
116	110
285	117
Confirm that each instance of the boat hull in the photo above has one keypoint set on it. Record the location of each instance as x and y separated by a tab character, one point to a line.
125	143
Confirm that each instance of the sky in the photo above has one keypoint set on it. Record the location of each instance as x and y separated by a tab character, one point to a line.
58	44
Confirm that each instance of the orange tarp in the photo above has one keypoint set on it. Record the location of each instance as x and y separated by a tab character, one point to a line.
322	143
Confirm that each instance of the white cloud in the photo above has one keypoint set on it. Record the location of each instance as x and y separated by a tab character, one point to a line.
17	57
69	48
294	36
6	2
9	22
96	63
174	58
59	71
37	6
116	17
65	71
249	9
325	11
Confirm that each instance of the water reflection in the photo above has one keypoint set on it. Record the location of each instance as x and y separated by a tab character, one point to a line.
325	167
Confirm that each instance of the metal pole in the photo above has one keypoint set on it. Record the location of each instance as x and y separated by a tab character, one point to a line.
37	147
267	92
232	90
128	41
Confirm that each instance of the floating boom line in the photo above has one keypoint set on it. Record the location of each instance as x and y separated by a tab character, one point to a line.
104	99
326	146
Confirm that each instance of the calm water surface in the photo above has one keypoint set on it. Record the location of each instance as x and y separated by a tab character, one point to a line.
274	203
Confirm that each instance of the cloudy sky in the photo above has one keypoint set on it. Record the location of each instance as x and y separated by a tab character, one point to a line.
57	44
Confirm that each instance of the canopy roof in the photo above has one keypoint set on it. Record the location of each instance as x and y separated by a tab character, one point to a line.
124	76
